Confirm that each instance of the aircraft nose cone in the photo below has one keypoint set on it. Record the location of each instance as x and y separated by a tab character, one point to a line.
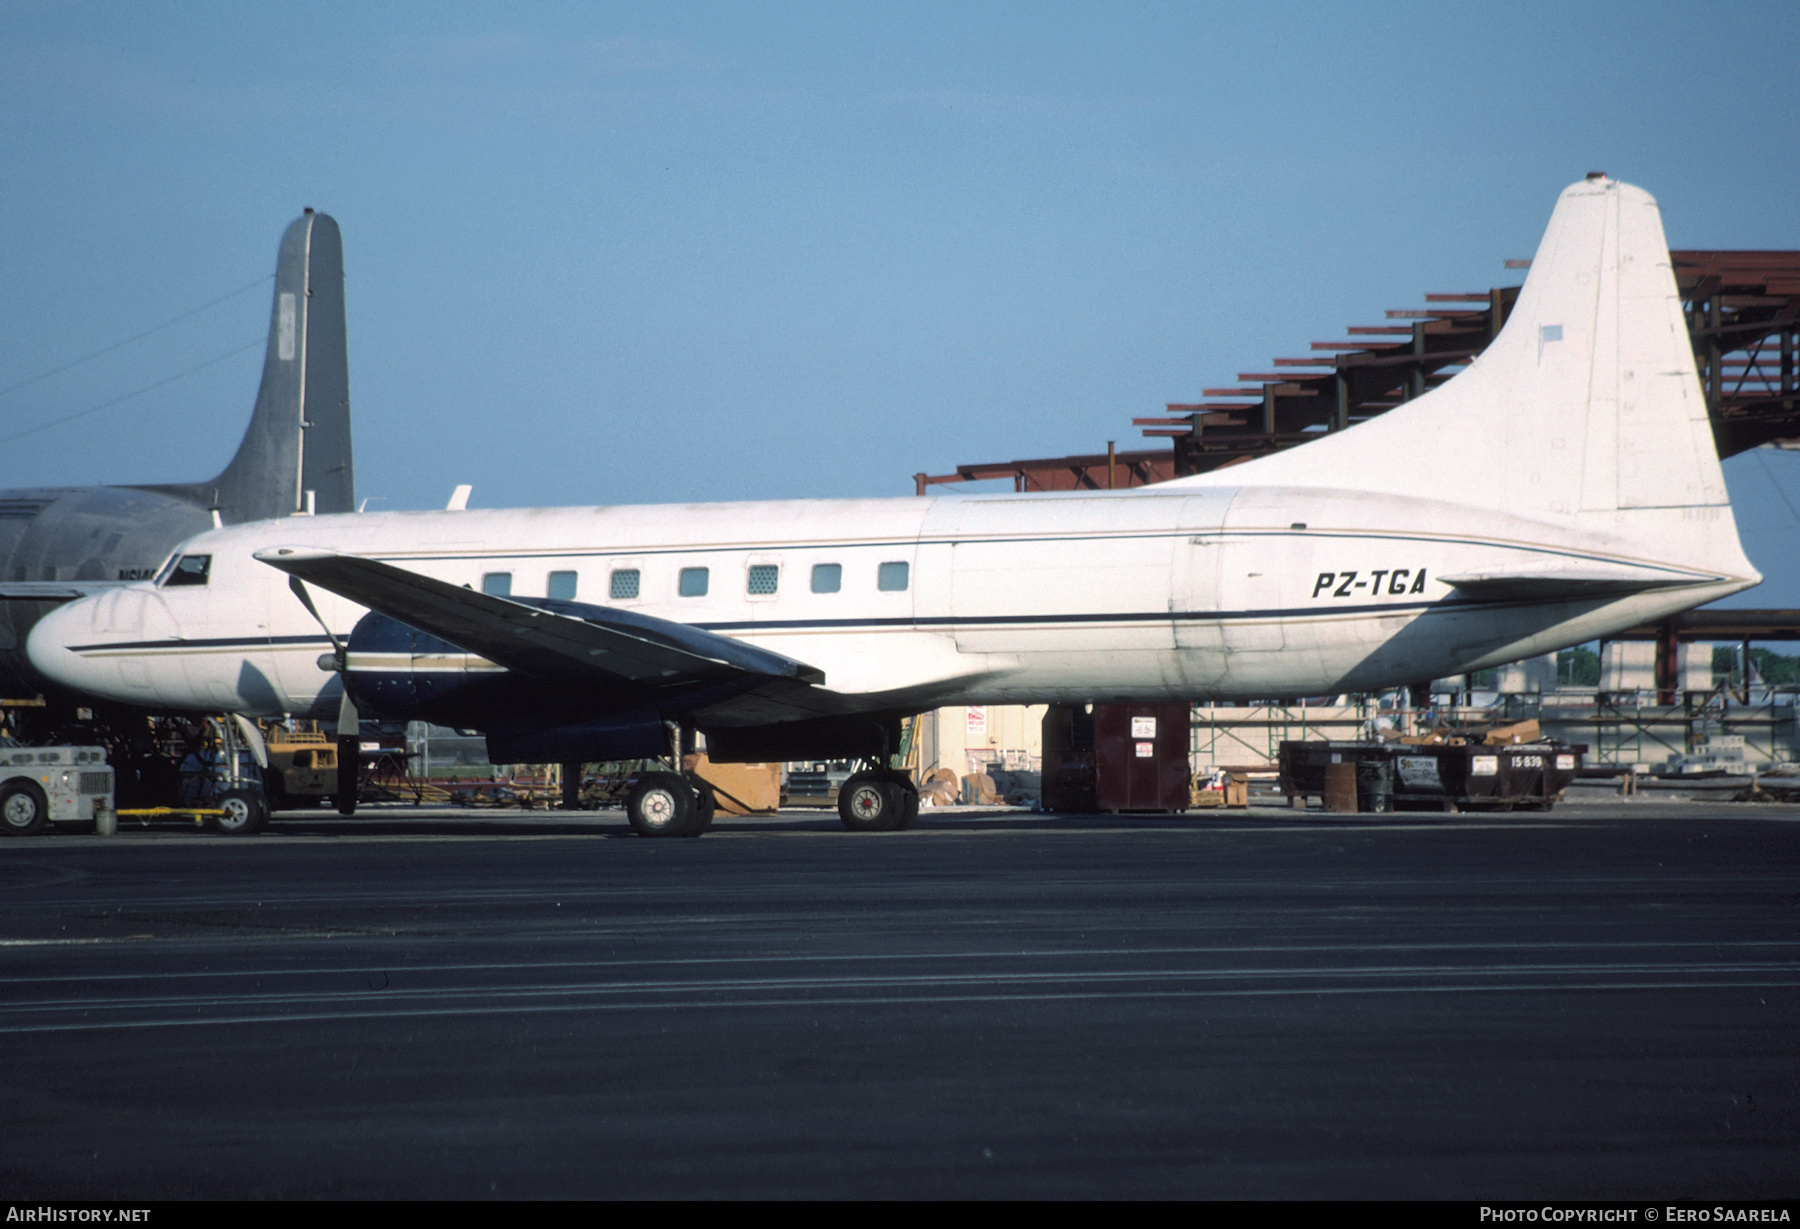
93	645
50	645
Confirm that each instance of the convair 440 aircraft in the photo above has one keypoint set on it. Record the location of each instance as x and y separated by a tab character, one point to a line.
1563	488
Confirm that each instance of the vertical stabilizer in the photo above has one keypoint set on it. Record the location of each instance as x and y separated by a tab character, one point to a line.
1586	408
299	436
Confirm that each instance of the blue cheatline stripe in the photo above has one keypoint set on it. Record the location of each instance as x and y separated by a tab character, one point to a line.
224	642
1450	606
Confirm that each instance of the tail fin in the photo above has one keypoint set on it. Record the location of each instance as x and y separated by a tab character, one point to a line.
1587	406
298	441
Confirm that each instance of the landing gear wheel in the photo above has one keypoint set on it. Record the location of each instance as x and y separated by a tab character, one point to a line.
909	801
876	802
705	802
664	804
244	812
349	762
909	794
23	809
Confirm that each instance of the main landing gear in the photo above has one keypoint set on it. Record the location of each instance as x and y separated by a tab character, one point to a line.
878	800
670	803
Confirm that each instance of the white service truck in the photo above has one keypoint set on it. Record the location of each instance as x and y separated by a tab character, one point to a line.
40	786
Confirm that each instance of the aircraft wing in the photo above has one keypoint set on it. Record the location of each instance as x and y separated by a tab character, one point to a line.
54	590
603	643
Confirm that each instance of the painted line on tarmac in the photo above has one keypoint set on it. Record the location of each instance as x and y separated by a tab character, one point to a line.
844	981
983	977
1105	953
576	887
516	1009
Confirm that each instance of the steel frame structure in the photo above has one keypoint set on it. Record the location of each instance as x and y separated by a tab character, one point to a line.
1743	310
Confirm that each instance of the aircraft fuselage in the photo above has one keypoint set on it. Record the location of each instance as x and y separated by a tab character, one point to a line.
1212	593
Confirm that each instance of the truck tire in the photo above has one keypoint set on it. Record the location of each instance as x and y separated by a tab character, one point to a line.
23	809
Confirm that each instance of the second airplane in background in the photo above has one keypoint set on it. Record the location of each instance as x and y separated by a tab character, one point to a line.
60	543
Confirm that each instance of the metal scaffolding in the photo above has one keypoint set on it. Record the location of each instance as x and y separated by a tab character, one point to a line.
1743	311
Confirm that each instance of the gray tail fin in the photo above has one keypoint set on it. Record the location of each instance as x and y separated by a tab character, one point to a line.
295	457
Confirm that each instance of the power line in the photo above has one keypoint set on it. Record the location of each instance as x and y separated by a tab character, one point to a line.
117	345
105	405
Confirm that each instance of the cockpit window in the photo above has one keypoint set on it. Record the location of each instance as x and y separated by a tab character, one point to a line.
189	570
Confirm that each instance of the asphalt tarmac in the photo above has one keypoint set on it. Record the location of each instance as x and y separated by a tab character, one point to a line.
1603	1002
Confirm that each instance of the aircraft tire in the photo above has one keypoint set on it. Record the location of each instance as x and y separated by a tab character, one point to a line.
245	812
909	796
873	802
705	801
663	804
24	811
345	793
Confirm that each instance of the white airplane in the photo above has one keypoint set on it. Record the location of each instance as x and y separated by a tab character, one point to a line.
1562	488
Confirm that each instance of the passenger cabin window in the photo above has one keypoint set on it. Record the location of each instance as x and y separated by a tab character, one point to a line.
692	582
624	584
764	578
892	577
562	586
497	584
190	570
827	577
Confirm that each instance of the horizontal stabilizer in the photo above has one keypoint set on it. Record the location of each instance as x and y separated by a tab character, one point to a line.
1573	585
547	639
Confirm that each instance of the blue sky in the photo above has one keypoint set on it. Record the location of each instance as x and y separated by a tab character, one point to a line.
618	253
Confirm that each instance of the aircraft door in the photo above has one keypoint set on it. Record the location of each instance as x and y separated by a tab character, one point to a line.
1066	577
1194	593
1250	593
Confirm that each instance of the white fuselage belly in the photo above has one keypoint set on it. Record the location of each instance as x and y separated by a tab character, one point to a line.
1198	594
